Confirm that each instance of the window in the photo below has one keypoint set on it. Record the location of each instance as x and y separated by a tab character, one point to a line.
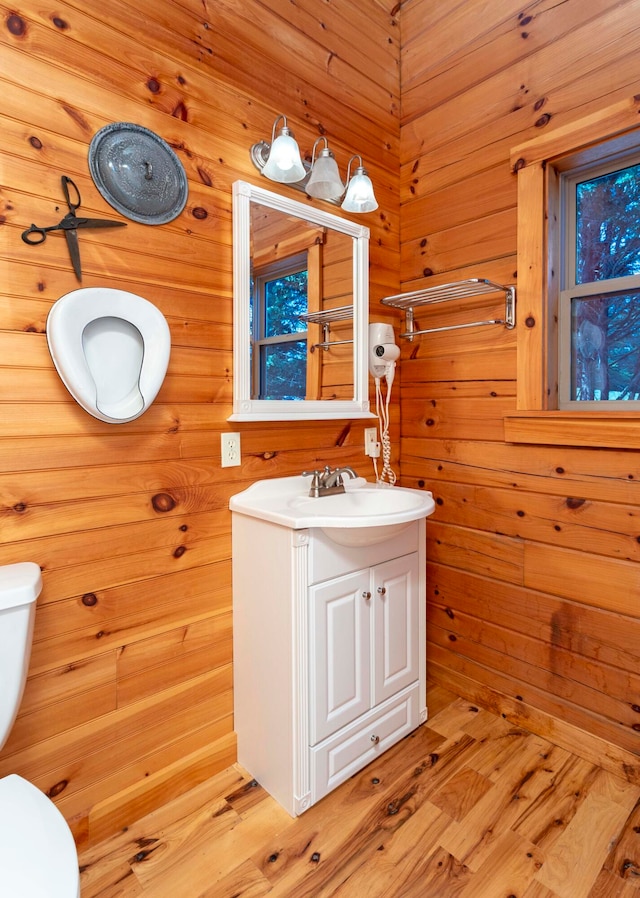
558	294
279	337
599	300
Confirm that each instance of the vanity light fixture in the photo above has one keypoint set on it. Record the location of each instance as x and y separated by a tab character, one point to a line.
280	161
360	196
325	182
283	163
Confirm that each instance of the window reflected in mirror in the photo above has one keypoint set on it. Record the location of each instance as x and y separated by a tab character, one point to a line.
297	269
278	332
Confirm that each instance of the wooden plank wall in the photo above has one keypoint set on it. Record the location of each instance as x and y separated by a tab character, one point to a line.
129	697
533	550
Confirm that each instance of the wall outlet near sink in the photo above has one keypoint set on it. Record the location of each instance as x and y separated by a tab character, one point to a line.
230	449
371	443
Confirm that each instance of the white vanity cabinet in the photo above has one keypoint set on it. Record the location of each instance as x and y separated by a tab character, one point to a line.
329	653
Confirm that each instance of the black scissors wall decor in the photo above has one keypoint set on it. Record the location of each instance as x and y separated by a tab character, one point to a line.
70	225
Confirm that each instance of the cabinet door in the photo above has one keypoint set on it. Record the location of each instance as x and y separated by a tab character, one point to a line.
339	653
395	626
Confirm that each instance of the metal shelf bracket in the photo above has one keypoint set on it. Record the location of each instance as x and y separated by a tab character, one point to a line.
446	292
324	318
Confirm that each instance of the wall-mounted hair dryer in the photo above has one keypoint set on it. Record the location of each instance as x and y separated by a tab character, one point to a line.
383	353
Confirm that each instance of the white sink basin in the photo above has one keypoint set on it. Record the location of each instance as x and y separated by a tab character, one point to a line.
363	515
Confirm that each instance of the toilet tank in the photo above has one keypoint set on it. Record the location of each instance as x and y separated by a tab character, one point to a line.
20	586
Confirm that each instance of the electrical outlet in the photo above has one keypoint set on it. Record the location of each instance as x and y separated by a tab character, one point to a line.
230	449
371	444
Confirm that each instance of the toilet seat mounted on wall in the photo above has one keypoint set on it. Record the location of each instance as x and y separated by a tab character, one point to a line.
111	349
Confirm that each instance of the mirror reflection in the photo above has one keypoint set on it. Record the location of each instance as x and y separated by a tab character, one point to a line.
299	269
300	310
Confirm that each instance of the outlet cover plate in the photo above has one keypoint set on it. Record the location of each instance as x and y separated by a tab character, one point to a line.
230	450
370	440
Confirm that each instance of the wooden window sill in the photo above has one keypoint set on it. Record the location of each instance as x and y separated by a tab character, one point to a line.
558	428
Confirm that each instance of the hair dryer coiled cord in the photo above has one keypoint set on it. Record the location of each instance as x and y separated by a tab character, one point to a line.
387	474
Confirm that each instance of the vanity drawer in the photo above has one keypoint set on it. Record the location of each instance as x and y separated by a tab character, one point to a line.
343	754
328	559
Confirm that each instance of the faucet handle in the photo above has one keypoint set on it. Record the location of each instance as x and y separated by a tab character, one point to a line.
314	491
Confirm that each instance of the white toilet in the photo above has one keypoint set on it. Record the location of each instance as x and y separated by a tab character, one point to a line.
111	349
38	856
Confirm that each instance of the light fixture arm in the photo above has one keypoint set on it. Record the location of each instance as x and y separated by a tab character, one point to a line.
285	127
315	144
360	168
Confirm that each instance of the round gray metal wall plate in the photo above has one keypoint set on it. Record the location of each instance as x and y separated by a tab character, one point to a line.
138	173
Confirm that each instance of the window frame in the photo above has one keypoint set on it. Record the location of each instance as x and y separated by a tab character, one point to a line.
570	289
538	165
261	276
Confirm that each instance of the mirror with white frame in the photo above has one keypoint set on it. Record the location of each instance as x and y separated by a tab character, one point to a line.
301	309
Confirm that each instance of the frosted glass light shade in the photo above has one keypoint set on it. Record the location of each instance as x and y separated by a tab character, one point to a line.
360	196
284	163
325	182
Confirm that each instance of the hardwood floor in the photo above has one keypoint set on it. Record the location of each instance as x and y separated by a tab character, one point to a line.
468	806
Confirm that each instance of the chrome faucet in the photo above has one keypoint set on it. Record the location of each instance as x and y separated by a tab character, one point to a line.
328	482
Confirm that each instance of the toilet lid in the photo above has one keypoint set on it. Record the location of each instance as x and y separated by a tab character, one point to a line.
38	857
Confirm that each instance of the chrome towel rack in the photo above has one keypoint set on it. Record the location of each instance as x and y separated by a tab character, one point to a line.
324	318
446	292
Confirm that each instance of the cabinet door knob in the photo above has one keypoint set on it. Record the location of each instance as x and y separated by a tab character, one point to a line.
366	595
382	590
375	739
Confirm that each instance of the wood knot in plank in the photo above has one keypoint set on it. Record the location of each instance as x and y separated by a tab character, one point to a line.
394	807
629	868
16	25
57	789
141	855
78	118
342	436
181	112
163	502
